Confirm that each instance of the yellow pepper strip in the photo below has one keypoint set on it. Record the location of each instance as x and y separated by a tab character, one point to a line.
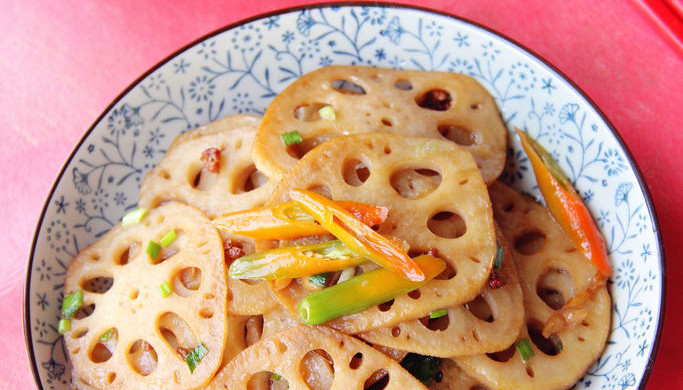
295	261
362	291
565	205
288	220
357	236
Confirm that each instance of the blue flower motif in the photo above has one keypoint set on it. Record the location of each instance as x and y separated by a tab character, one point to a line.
434	29
288	36
309	48
155	136
44	269
396	62
41	327
272	22
201	88
568	113
461	66
490	51
148	152
246	38
393	31
461	39
207	49
42	301
80	206
181	66
380	54
241	103
627	380
304	22
621	195
118	122
549	109
119	198
523	77
548	85
155	81
625	273
54	370
588	196
641	223
646	252
61	205
643	347
603	219
325	61
375	15
100	202
614	163
554	137
80	180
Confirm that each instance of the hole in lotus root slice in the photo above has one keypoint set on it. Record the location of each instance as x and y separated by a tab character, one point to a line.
308	112
267	380
447	224
385	306
480	309
105	346
448	273
177	333
187	281
403	85
435	99
300	149
200	178
552	286
530	242
111	377
85	311
387	122
249	180
317	370
78	333
415	294
550	346
128	253
98	285
253	330
347	87
377	381
458	134
355	172
436	324
356	361
142	357
415	183
504	355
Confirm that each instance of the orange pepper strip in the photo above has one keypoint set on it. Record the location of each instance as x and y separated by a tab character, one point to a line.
287	220
356	235
565	205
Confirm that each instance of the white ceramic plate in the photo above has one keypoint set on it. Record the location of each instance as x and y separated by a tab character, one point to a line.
242	67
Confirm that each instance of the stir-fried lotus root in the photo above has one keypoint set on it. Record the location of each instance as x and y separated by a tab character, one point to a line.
312	358
126	334
222	181
436	199
551	271
437	105
451	377
489	323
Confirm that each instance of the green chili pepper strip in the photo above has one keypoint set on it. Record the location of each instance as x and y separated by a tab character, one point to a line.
296	261
363	291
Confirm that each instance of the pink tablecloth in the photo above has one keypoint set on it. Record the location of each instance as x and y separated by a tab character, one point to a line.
62	63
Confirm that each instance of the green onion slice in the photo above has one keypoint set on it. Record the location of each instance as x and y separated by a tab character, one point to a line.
64	326
438	313
107	335
275	376
153	250
524	349
71	304
319	279
165	289
559	346
498	260
195	356
421	367
134	217
327	112
168	238
291	138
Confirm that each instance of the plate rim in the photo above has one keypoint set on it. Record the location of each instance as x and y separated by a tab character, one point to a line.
26	310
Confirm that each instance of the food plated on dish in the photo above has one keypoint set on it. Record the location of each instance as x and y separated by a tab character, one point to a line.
412	212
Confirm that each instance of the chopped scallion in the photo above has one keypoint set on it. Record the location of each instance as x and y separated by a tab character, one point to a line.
421	367
291	138
319	279
134	217
107	335
165	289
195	356
64	326
498	260
438	313
327	112
559	346
71	304
275	377
153	250
524	349
168	238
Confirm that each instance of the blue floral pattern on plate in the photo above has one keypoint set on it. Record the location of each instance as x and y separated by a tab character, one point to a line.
242	68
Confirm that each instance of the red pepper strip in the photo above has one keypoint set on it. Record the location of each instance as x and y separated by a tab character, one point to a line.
356	235
565	205
287	220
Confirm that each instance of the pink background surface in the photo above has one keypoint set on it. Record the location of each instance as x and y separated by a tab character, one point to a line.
62	63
